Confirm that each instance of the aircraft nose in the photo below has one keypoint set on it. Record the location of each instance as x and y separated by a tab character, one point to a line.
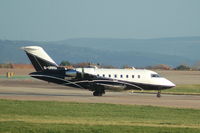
170	84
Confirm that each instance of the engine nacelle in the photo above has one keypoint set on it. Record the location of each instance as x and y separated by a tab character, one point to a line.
71	73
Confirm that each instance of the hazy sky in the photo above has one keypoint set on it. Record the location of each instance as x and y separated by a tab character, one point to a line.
49	20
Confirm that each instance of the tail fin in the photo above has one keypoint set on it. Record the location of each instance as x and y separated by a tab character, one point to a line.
38	57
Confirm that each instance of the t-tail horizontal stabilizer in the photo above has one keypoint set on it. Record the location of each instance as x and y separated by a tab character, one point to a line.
39	58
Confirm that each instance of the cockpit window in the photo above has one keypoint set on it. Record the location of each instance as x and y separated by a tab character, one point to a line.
155	75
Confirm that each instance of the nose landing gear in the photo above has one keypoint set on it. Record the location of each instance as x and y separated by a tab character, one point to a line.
159	94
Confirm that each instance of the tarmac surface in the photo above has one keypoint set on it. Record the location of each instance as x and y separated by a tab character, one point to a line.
42	91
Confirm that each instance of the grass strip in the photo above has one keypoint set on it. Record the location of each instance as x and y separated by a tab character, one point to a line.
23	127
50	116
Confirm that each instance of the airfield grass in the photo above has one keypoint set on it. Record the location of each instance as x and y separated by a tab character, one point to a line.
185	89
60	117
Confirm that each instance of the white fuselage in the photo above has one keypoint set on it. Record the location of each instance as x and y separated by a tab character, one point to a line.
141	76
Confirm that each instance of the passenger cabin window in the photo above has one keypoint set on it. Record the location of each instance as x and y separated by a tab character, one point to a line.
98	75
155	75
138	76
109	75
115	75
126	76
121	76
103	75
132	76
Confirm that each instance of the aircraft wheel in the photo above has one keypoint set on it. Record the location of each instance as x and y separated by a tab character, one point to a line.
159	94
95	93
98	93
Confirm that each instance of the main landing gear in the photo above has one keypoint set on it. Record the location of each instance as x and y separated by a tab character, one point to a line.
98	92
159	94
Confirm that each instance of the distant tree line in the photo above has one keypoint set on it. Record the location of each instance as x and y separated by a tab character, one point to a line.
179	67
65	63
68	64
84	64
159	66
6	65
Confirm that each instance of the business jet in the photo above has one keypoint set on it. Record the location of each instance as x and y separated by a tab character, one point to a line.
94	79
